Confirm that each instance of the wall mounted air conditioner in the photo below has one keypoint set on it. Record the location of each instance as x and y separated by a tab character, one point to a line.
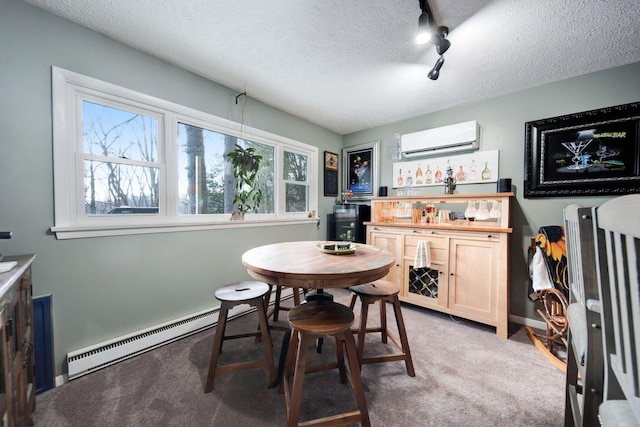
437	141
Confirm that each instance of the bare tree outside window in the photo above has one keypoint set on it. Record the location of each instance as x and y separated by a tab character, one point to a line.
120	154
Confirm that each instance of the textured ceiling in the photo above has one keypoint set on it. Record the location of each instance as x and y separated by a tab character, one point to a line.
352	65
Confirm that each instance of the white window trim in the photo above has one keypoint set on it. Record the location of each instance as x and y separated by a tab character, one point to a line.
70	223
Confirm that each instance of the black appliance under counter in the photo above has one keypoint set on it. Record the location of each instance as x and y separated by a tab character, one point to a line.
347	222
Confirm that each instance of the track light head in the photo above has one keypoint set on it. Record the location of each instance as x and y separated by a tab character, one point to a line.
425	29
435	71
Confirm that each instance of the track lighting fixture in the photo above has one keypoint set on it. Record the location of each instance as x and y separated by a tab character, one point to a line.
435	71
430	32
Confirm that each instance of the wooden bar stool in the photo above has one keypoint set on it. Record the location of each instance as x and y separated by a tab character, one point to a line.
247	292
310	321
382	291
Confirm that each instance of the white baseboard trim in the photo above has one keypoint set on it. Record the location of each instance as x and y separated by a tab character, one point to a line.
98	356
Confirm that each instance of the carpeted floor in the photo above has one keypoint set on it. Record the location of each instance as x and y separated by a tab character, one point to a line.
465	376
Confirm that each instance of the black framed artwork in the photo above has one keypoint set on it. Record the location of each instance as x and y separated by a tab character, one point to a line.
360	171
594	152
330	174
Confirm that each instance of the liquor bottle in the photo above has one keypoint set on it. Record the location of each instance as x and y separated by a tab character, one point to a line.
486	173
438	175
461	175
419	175
409	179
428	174
473	171
400	179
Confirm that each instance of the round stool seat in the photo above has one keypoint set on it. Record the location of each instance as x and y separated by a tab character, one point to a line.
240	291
321	317
377	288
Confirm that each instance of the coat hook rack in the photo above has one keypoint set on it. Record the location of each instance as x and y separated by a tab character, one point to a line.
239	95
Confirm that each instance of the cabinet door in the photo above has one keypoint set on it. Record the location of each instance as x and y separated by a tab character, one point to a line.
392	243
426	287
473	277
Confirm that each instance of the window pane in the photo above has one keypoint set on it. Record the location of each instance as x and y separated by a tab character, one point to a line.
206	184
297	199
266	175
110	187
111	132
295	167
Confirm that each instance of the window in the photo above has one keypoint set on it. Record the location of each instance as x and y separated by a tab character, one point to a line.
296	182
128	163
120	158
206	183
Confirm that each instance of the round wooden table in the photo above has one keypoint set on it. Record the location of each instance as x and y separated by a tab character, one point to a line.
304	265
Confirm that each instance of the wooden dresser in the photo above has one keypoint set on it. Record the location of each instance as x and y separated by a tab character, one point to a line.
17	375
468	276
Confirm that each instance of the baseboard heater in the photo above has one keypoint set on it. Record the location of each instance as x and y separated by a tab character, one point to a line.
90	359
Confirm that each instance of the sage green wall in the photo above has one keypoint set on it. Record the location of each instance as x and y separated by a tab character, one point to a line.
106	287
502	122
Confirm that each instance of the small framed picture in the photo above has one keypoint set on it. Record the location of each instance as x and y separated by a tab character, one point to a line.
330	174
330	161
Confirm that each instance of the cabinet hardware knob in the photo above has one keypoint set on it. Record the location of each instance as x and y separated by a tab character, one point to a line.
489	236
450	274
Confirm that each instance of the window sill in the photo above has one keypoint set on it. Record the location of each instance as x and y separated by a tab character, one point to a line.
82	232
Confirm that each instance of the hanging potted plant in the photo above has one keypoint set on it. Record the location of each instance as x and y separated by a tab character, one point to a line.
248	196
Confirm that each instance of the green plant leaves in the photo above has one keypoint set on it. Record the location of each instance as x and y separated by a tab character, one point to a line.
246	164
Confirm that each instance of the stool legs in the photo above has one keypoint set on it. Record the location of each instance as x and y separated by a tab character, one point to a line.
298	349
277	305
294	399
355	378
402	344
217	347
220	337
